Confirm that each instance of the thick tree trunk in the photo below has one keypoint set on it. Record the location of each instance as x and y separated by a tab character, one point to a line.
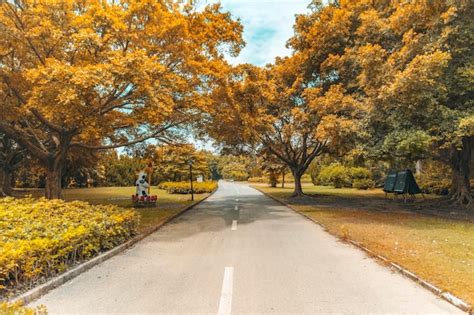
460	181
298	188
53	189
6	183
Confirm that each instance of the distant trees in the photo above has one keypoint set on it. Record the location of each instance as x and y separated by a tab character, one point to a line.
171	162
234	167
11	157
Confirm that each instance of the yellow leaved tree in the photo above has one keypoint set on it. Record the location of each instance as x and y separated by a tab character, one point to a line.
277	110
104	74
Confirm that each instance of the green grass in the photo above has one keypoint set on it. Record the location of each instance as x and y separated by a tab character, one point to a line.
168	205
438	250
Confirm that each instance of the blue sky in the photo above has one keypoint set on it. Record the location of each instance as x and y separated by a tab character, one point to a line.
268	24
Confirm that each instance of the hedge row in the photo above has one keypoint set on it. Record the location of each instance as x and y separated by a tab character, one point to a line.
40	238
185	187
19	309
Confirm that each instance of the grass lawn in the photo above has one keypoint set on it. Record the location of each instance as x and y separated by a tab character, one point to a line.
167	204
438	250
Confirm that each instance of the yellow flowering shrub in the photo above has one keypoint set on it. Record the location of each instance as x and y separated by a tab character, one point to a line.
185	187
40	238
19	309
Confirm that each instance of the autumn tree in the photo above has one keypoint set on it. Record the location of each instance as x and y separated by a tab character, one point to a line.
235	167
410	63
430	79
98	74
81	165
278	110
119	169
273	168
171	162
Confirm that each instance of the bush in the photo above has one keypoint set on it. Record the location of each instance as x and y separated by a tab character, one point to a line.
185	187
237	176
434	186
435	178
41	238
336	175
364	183
19	309
341	176
258	180
359	173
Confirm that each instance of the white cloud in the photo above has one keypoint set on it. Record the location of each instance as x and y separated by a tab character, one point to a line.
268	24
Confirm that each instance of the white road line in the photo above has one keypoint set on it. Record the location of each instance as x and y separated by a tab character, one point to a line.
225	303
236	208
234	225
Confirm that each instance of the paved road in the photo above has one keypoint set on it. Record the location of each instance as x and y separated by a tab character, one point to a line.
241	252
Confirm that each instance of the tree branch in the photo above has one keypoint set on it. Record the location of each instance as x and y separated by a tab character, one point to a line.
23	139
124	144
46	122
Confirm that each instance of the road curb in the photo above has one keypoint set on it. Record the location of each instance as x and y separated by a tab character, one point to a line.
42	289
452	299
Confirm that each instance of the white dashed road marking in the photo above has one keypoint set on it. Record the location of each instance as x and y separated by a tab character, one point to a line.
225	303
234	225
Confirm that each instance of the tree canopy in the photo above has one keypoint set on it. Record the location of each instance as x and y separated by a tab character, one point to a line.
100	75
391	79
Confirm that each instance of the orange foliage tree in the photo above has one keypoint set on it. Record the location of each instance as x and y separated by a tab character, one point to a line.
276	110
103	74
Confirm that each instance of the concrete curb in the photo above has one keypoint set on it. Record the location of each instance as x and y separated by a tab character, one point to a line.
42	289
454	300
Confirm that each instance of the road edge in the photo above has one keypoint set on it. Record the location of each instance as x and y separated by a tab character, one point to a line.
447	296
37	292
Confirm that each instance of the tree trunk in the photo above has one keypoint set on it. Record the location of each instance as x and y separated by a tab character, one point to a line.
283	180
460	181
298	189
53	189
419	167
6	183
273	177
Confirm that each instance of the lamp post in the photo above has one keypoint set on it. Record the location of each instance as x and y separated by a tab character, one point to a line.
149	171
190	162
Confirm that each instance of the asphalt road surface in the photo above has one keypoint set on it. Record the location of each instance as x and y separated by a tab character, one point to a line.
240	252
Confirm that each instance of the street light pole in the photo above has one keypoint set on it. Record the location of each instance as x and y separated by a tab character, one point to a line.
191	178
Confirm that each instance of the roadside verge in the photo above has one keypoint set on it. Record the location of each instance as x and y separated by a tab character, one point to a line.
55	282
427	285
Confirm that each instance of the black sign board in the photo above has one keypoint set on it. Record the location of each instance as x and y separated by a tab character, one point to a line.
390	181
401	183
406	183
